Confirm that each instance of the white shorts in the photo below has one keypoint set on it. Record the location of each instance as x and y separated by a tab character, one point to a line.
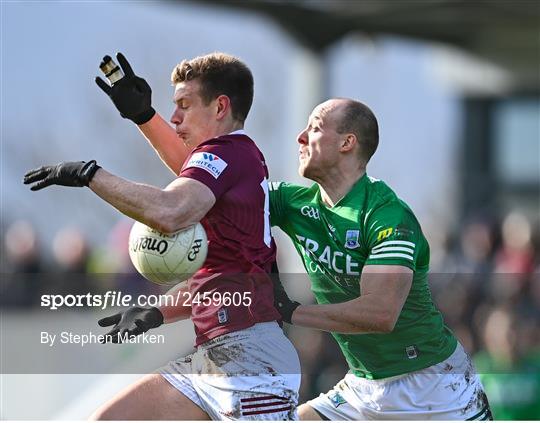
251	374
450	390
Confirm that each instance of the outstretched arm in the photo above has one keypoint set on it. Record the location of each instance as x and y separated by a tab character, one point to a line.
132	97
183	202
384	290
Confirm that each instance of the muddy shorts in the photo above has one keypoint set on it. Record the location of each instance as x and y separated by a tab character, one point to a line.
252	374
449	390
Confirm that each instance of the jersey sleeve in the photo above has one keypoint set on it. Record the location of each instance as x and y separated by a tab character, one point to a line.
393	237
215	165
278	203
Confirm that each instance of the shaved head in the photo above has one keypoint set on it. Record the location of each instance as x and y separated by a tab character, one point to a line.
354	117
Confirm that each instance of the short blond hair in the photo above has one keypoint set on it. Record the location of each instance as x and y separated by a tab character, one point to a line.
219	74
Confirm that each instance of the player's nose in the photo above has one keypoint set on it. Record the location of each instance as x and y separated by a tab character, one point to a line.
177	116
302	137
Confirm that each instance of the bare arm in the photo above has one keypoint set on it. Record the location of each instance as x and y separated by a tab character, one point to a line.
165	142
182	203
383	289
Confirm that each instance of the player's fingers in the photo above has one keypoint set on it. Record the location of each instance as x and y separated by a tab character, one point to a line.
124	64
110	320
103	85
42	184
36	174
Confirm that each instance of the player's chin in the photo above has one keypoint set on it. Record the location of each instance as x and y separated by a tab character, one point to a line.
302	169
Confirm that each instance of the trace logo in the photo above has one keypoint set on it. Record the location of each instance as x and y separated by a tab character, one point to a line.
310	212
150	245
196	247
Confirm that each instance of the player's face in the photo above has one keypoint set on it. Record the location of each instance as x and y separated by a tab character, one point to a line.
195	121
319	142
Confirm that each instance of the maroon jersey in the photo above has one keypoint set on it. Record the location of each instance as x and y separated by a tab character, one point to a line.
240	247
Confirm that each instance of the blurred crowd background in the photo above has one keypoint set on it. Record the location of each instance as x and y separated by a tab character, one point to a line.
485	278
459	109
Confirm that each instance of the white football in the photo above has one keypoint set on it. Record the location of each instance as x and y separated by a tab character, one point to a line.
167	259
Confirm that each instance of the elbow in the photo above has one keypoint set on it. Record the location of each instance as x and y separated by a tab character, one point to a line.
170	224
164	226
166	221
386	322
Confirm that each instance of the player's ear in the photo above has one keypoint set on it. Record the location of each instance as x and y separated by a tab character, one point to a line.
223	105
348	142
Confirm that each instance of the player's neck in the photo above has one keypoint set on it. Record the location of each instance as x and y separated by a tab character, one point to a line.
231	126
336	185
223	128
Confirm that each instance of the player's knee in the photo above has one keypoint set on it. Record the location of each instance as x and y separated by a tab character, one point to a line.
306	412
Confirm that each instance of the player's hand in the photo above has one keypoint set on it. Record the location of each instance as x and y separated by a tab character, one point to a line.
69	174
131	95
132	322
282	302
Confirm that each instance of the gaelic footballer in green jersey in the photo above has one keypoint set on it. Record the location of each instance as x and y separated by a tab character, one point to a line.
368	260
370	225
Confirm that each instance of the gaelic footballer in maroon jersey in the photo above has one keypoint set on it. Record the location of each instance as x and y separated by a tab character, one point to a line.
240	247
252	369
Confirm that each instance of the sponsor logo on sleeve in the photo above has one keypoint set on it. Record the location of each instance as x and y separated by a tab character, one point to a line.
213	164
385	233
403	233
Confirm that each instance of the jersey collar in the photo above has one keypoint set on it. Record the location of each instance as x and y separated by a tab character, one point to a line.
356	190
238	132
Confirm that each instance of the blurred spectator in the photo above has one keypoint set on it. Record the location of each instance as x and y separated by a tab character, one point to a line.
70	251
516	254
510	365
22	248
476	247
514	262
23	265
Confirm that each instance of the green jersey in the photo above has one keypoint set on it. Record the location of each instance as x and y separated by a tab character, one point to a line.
370	225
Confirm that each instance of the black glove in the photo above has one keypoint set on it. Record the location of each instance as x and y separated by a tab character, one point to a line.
282	302
131	95
133	322
69	174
